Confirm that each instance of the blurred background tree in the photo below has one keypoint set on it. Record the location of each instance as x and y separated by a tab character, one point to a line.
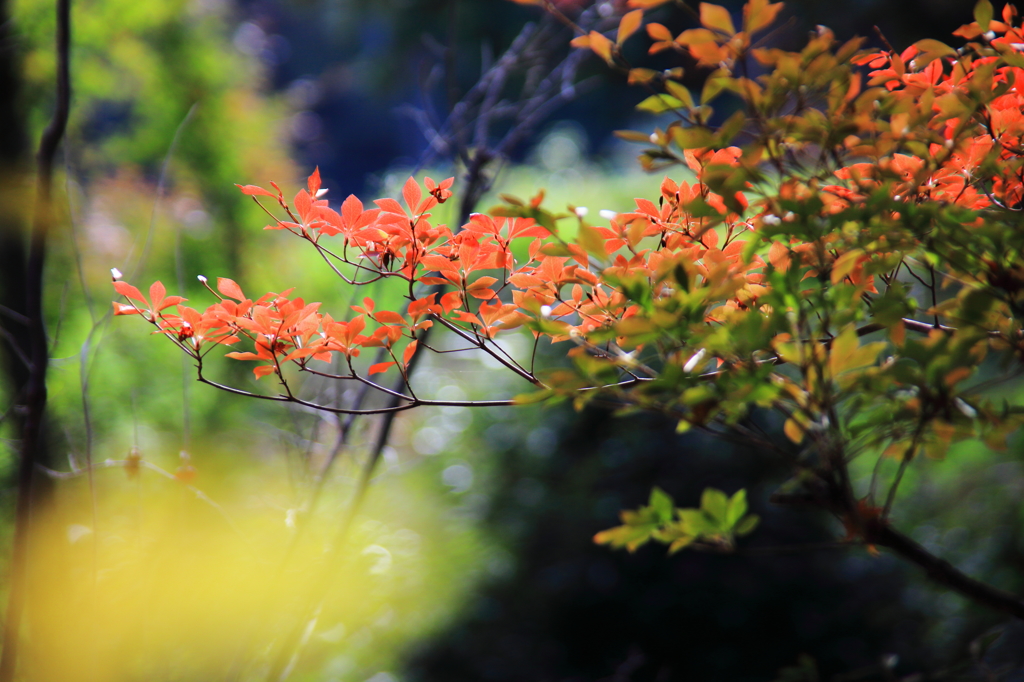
478	532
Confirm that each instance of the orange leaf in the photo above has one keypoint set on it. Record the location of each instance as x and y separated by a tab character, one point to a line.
314	182
716	17
481	283
128	291
229	288
390	317
380	367
451	301
628	25
601	46
658	32
409	351
254	191
580	42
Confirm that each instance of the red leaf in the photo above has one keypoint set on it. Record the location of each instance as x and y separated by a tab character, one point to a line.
229	288
409	351
303	203
451	301
411	193
254	191
390	206
380	367
157	293
128	291
390	317
314	182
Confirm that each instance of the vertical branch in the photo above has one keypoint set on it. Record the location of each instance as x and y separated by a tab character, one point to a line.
35	393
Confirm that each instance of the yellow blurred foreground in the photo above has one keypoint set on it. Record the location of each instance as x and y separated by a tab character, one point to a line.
164	579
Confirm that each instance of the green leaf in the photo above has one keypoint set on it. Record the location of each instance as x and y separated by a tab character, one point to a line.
659	104
747	525
732	126
693	138
983	14
662	505
680	92
715	504
737	508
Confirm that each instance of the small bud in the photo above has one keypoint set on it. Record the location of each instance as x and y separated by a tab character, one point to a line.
545	311
964	408
201	278
654	138
694	360
608	215
582	211
771	219
116	274
990	35
320	192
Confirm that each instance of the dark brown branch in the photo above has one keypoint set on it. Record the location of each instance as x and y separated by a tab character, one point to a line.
941	571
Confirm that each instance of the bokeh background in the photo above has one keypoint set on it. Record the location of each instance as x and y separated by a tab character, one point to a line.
472	557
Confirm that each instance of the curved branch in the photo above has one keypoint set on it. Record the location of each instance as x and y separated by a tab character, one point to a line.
941	571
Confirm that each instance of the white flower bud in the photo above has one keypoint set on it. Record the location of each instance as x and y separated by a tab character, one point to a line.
607	215
320	192
964	408
771	219
692	363
116	274
582	211
545	311
201	278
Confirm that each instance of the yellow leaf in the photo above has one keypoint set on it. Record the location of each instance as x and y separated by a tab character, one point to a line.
716	17
758	14
628	25
680	92
845	264
793	431
846	353
591	240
